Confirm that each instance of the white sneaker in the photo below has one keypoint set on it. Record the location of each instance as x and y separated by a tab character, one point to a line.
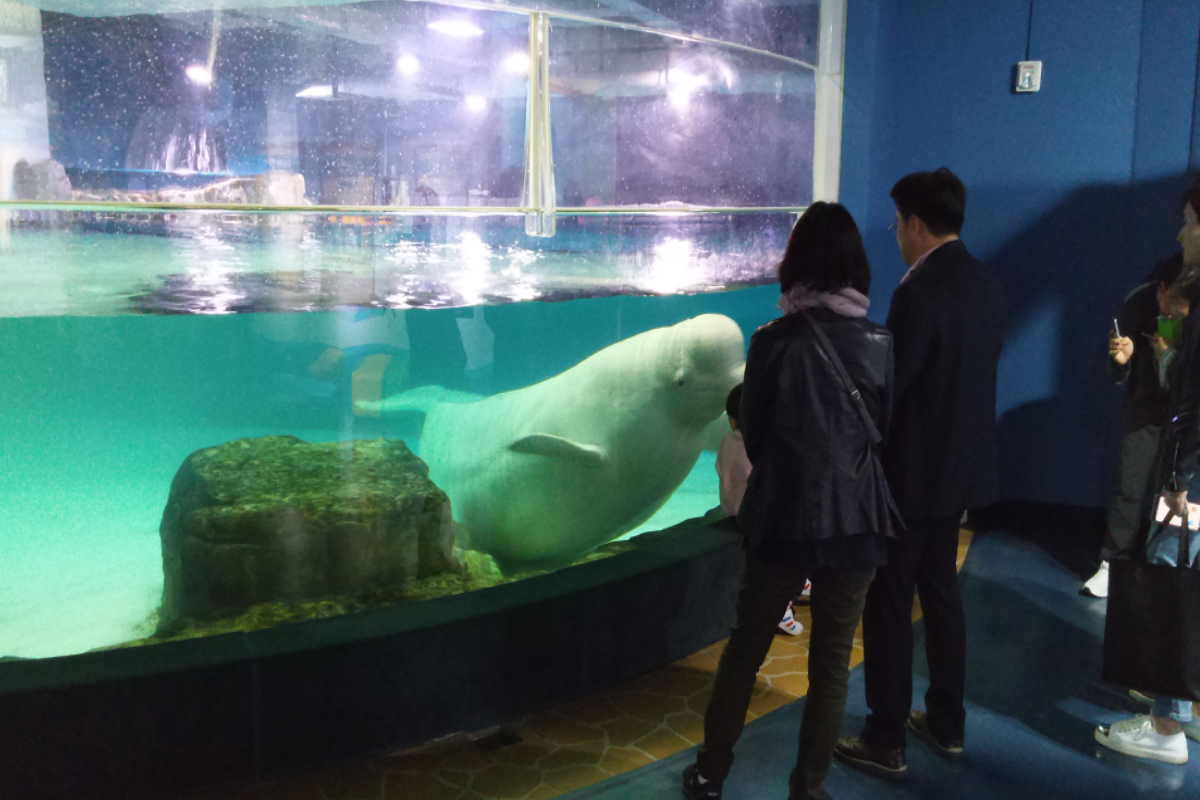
1097	585
1136	737
789	624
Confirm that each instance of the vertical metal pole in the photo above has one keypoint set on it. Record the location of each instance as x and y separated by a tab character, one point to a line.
539	192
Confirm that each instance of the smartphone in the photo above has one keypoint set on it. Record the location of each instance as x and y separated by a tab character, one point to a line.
1116	328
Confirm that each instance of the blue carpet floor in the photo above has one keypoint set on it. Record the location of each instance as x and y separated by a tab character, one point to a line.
1034	696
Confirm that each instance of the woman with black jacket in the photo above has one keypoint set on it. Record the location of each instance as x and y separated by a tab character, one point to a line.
815	407
1138	358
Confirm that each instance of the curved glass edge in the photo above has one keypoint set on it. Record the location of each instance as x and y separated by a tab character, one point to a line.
23	674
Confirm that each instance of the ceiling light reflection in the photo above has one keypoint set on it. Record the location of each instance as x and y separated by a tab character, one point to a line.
475	103
458	28
516	62
671	266
317	90
408	65
199	74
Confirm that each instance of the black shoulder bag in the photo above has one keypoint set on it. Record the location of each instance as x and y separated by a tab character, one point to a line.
1152	630
831	355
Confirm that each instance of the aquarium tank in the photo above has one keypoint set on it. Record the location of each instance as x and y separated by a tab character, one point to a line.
313	307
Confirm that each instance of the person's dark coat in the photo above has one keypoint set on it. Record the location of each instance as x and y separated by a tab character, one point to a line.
948	322
1146	401
1180	449
816	475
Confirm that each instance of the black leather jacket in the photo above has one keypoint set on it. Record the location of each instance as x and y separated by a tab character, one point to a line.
816	475
1181	444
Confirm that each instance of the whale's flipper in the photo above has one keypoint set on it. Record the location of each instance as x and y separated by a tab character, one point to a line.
551	446
421	398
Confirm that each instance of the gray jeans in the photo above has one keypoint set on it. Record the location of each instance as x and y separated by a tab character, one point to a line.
837	603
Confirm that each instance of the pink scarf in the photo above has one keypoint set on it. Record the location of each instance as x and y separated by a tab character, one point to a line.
846	301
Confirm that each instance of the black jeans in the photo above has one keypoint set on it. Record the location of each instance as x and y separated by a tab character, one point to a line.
1131	503
922	559
837	604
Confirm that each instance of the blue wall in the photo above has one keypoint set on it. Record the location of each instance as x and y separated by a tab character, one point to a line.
1073	192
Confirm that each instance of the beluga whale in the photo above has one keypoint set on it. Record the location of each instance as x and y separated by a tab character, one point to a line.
540	475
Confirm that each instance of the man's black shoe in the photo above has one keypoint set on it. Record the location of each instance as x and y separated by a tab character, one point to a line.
883	762
918	723
693	789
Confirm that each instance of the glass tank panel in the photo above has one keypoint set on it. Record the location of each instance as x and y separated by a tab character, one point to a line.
245	384
645	119
133	341
383	103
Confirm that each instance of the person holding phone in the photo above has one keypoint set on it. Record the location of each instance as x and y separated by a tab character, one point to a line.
1141	348
1162	734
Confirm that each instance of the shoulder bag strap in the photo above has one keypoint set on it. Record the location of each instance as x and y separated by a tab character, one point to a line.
831	355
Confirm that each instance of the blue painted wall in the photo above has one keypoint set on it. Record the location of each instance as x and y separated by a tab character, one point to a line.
1073	193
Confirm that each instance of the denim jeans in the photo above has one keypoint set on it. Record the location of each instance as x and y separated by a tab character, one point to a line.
1173	708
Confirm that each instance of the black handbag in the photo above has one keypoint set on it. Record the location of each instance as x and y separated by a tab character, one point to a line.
1152	630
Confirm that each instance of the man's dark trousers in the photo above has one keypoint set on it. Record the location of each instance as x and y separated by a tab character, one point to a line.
923	558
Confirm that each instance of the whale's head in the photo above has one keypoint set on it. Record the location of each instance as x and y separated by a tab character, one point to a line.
706	359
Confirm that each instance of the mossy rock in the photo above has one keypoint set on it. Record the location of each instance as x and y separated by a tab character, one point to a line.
277	520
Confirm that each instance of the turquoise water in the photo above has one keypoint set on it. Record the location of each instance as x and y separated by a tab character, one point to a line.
100	410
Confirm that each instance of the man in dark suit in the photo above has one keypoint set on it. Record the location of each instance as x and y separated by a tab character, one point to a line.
947	317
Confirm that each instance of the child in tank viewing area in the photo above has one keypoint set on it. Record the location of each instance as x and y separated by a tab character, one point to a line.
733	469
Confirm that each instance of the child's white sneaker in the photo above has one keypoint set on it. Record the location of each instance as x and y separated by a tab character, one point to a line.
1097	585
1136	737
789	624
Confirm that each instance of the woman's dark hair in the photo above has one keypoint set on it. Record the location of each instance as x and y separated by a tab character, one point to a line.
825	252
938	198
1168	270
733	402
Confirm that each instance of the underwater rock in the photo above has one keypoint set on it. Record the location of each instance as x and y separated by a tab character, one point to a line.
277	519
41	180
541	475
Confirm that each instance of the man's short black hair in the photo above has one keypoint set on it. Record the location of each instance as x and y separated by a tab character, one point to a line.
733	401
938	198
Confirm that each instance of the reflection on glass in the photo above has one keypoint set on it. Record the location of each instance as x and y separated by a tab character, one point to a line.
362	101
366	101
786	27
648	120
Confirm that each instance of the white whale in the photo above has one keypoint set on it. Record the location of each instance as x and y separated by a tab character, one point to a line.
543	474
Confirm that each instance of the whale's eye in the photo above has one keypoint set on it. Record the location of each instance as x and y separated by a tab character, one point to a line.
680	381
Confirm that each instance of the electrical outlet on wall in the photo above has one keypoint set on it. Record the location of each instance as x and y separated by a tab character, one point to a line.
1029	77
